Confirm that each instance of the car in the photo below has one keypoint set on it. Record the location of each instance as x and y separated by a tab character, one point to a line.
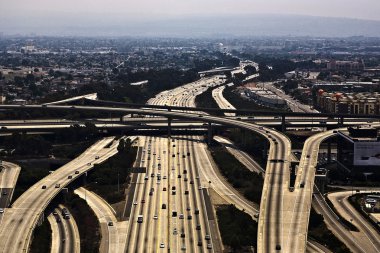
150	193
164	177
57	185
308	156
69	177
302	184
256	215
179	176
163	206
185	179
173	155
191	182
198	227
1	210
55	213
188	209
175	231
207	237
186	192
199	243
88	164
76	172
189	217
183	247
152	175
278	247
164	189
209	246
44	187
182	235
110	223
135	203
143	201
291	189
162	245
146	178
196	211
181	216
155	217
96	157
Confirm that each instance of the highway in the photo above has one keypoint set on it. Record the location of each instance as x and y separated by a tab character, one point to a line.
19	221
93	96
112	241
333	223
65	233
170	196
271	205
367	237
9	173
223	103
298	206
276	172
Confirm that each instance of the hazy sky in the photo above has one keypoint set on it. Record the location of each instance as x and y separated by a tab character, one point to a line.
147	9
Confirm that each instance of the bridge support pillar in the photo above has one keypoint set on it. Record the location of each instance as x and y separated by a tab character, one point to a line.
329	151
169	127
209	133
283	123
341	121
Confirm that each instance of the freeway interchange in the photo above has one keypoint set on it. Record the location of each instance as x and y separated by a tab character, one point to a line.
283	220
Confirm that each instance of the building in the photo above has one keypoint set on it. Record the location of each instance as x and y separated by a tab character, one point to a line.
358	150
349	103
265	97
345	65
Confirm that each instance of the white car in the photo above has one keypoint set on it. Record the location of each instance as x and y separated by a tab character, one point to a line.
162	245
155	217
1	210
135	203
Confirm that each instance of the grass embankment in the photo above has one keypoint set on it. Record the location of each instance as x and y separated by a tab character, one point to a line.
105	178
320	233
205	100
41	242
238	229
248	182
87	222
254	144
